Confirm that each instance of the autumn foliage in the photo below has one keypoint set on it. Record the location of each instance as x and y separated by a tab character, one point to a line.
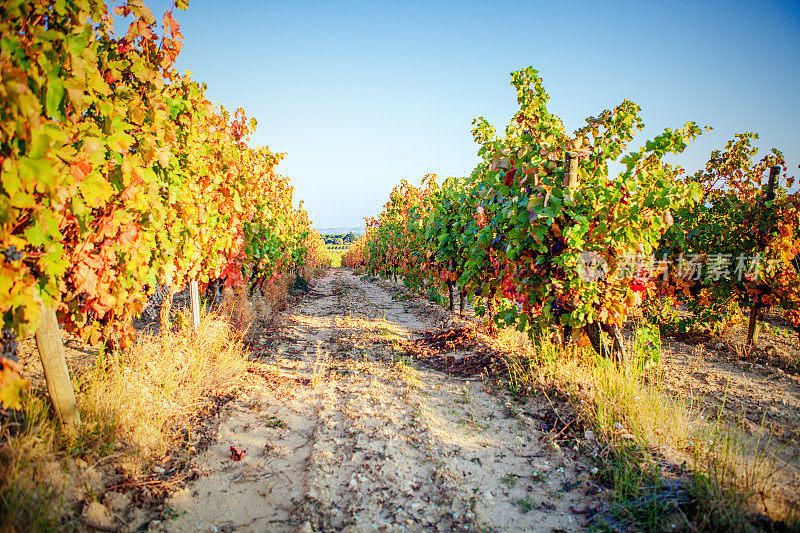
740	248
512	230
356	255
118	174
543	253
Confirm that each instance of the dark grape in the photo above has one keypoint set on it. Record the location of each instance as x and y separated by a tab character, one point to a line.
9	345
557	248
557	308
12	254
509	177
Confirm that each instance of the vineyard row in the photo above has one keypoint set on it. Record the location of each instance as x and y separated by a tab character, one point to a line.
551	242
119	176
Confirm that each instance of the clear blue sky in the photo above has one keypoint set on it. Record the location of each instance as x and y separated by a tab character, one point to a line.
363	94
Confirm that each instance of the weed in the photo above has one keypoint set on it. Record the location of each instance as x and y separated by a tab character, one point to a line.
526	505
647	345
638	498
274	422
510	480
300	285
734	469
465	397
170	514
538	477
435	296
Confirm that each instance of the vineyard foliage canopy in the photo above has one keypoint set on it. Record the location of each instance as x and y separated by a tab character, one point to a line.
546	246
119	175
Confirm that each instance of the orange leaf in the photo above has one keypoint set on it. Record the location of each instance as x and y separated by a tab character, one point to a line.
173	26
80	167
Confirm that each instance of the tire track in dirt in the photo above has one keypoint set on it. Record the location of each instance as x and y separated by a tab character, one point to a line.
375	441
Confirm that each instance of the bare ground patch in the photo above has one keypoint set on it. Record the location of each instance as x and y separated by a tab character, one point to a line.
363	436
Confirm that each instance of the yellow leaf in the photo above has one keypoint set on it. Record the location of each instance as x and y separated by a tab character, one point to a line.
11	385
120	142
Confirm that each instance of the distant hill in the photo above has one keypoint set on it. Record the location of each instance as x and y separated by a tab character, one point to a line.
341	231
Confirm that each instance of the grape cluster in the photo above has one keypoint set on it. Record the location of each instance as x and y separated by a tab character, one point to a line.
557	308
509	179
12	254
8	343
557	248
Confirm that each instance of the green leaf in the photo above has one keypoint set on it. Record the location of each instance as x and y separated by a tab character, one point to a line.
39	144
36	234
522	321
54	97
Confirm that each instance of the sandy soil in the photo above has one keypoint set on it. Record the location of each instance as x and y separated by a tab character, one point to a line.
359	439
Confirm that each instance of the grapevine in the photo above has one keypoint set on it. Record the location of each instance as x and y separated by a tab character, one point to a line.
119	174
741	241
514	230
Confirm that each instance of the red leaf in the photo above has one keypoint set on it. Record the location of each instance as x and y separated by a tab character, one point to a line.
123	46
637	286
237	454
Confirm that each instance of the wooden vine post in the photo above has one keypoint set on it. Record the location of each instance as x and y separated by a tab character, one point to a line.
194	301
593	330
570	184
755	310
570	170
56	373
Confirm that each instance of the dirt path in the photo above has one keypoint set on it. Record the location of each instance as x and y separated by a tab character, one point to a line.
343	434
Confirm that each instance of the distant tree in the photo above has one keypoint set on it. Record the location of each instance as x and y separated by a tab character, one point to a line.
338	240
351	238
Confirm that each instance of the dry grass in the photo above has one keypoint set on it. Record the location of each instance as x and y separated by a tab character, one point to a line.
630	409
629	400
244	310
26	503
134	407
732	475
152	391
621	400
